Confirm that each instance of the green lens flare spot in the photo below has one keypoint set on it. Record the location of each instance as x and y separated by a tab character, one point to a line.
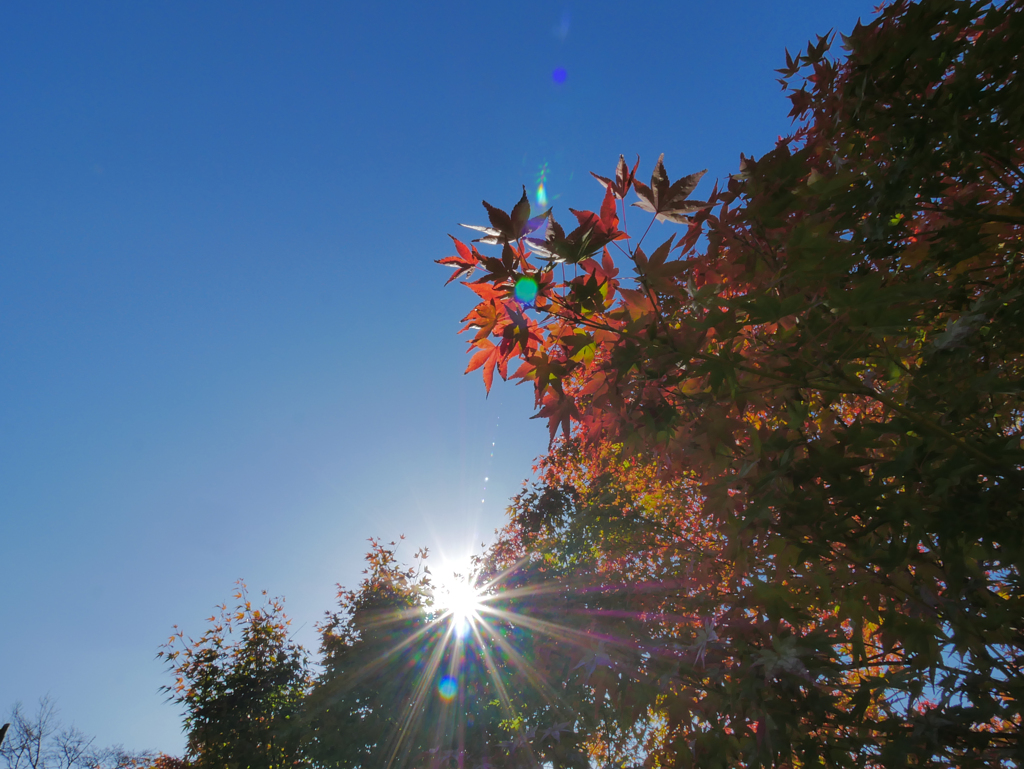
526	290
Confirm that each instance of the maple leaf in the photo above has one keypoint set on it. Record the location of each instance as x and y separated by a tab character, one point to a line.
608	265
595	231
609	215
791	68
515	315
486	291
623	178
638	303
605	224
669	201
784	657
655	270
503	269
559	409
546	247
705	636
957	332
593	660
465	263
483	318
555	732
487	356
507	228
520	216
525	371
543	370
517	331
587	293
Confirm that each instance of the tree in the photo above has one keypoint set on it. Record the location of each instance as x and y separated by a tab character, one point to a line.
43	742
242	684
829	357
362	710
627	571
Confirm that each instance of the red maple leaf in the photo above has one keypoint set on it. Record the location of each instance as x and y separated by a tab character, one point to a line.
487	356
559	409
465	262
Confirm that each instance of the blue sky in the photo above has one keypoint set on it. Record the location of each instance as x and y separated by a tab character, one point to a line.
225	350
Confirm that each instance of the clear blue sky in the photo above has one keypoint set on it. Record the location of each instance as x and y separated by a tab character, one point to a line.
225	350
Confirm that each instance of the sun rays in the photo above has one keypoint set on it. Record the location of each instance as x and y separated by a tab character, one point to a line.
466	654
459	600
467	649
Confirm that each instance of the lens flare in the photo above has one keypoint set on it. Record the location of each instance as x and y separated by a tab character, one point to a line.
542	177
448	673
459	600
559	75
562	30
526	290
448	688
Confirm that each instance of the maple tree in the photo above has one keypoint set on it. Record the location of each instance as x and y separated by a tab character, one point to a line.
824	365
241	684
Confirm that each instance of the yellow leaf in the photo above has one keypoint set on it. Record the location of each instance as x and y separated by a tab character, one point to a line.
691	386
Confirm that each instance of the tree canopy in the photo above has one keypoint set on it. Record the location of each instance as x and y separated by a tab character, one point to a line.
825	362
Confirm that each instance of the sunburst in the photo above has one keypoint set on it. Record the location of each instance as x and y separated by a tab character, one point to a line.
459	599
469	647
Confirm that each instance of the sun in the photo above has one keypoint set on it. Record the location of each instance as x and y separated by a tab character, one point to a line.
458	598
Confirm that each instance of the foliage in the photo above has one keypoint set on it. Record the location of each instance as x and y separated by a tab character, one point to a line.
627	570
378	702
164	761
384	652
241	683
826	366
360	705
43	742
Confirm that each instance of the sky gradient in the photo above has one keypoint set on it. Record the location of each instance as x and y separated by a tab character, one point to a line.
225	350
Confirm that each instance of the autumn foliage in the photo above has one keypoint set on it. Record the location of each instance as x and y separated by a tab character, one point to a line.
241	684
819	372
